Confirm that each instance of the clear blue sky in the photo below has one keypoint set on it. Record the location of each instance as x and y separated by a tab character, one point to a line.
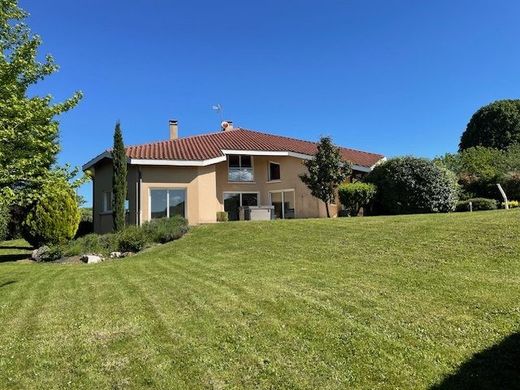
395	77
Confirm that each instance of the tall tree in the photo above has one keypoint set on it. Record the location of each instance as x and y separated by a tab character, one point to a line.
28	127
496	125
326	171
119	179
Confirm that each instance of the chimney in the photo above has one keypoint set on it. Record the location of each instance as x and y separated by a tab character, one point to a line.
174	129
226	125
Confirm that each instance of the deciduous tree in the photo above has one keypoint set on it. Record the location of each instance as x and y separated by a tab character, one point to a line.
28	127
496	125
326	171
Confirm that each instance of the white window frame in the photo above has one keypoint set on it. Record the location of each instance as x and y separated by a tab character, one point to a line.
240	193
185	189
283	199
240	166
107	206
269	180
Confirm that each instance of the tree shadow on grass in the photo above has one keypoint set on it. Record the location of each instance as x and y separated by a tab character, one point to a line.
27	247
7	283
14	257
497	367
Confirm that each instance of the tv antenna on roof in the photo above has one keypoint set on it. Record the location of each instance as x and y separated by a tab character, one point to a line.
218	109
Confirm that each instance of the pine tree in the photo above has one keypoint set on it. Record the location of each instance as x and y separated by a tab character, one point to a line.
119	179
326	171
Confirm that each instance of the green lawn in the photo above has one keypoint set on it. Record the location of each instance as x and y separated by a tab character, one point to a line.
380	302
14	250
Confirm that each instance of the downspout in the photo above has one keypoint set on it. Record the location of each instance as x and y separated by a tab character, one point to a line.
138	196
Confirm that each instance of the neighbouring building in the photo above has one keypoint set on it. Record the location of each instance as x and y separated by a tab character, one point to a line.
198	176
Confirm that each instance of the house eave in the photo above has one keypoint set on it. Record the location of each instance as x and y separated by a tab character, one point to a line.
267	153
177	163
95	160
215	160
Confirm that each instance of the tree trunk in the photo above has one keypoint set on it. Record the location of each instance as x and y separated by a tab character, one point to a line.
327	208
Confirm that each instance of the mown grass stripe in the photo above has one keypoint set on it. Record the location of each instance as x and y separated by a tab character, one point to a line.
387	302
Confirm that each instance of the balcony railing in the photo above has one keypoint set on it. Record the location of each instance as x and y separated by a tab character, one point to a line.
240	174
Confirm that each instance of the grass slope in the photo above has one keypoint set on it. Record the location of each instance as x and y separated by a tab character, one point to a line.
381	302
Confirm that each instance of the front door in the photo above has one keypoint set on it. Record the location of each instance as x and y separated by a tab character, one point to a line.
283	202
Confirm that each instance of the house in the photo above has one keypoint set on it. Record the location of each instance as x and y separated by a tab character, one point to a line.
198	176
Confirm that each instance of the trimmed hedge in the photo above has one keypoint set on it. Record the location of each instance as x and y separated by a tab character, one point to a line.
54	219
477	204
409	185
354	196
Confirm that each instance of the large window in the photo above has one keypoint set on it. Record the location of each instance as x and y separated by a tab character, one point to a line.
233	201
167	203
240	168
274	171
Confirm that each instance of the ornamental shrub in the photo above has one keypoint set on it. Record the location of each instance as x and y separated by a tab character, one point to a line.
353	196
46	253
165	229
92	244
513	204
222	216
54	218
408	185
477	204
132	239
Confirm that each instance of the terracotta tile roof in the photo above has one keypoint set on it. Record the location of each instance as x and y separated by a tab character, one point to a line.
208	146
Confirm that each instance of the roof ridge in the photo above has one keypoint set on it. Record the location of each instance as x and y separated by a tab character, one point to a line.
362	151
173	140
204	135
277	135
309	142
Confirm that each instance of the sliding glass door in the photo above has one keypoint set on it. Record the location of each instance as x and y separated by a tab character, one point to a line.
233	201
231	205
283	202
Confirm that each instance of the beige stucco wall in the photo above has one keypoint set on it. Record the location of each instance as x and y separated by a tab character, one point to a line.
306	206
199	183
204	187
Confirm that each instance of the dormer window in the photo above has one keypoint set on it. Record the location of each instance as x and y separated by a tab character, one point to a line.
240	169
